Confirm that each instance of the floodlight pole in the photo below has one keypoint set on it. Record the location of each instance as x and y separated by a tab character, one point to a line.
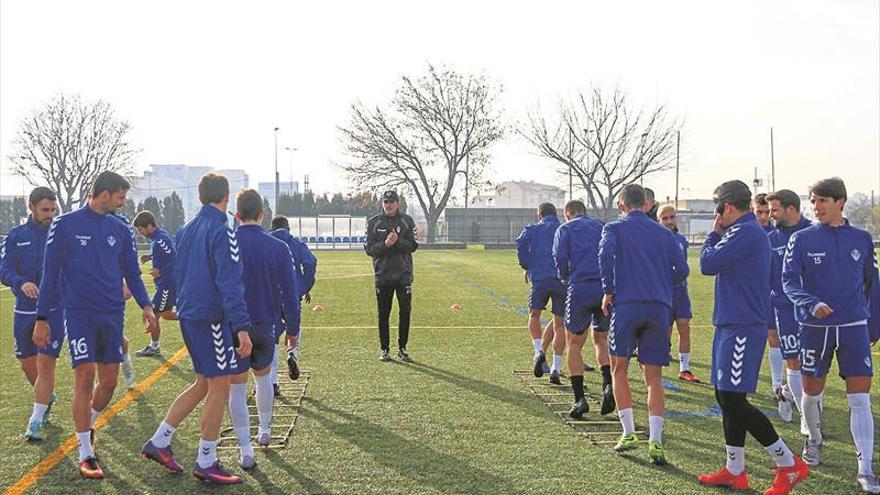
677	155
772	163
277	180
467	177
570	163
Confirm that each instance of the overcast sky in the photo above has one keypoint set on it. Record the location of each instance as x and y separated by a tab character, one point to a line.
204	83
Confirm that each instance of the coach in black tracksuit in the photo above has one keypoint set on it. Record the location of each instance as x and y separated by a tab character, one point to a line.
391	239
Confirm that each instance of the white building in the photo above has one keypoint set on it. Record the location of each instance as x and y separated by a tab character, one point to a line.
161	180
521	194
267	190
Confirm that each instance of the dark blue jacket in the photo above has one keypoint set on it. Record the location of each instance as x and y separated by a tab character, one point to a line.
21	260
833	265
304	262
740	261
778	242
683	244
162	254
534	249
208	269
269	280
576	249
639	260
88	255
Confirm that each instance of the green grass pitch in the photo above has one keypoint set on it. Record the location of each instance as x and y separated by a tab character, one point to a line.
457	421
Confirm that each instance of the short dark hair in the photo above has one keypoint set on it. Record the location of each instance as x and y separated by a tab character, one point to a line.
40	193
110	182
213	188
144	219
760	199
249	204
545	209
280	222
649	194
576	207
632	196
733	192
786	198
830	188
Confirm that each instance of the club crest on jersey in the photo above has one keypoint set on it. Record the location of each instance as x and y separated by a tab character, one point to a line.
111	240
856	254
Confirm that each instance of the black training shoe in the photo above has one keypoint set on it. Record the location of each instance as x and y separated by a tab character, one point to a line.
292	367
385	357
608	404
554	378
276	390
539	361
579	408
401	353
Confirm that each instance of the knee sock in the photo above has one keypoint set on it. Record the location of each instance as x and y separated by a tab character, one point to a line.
39	412
238	412
655	428
627	421
606	375
557	363
796	384
577	386
780	453
265	397
164	434
812	415
861	425
274	372
776	365
537	345
736	459
684	361
207	453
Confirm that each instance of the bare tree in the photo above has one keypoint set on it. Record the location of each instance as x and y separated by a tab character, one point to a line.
604	143
422	140
67	143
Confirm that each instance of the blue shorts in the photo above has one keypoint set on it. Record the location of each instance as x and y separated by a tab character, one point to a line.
94	337
850	343
583	308
645	325
788	328
263	350
737	352
163	300
543	290
681	304
771	319
23	331
211	347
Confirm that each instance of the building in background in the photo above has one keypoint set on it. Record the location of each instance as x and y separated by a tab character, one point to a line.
267	190
520	194
161	180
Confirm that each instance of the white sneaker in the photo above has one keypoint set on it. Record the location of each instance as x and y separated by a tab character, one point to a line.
783	406
128	372
868	483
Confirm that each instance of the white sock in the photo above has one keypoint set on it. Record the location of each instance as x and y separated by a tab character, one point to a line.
85	445
861	425
537	344
274	372
655	428
796	384
557	363
126	360
207	453
95	415
164	434
39	412
684	362
154	344
736	459
780	453
812	415
295	352
776	365
265	397
627	421
238	413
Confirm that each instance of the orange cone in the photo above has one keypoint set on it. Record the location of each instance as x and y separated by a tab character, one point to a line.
318	308
456	307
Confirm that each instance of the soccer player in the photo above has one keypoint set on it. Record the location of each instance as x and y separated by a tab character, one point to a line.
639	262
269	283
162	256
21	267
829	273
534	250
214	322
305	266
391	240
761	208
737	253
785	209
681	301
88	254
575	252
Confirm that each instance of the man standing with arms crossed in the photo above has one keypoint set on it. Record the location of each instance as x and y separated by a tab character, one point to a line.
162	256
88	254
737	253
639	262
534	250
391	240
829	273
214	322
21	268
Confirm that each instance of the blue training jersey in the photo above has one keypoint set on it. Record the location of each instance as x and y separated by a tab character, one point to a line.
683	244
778	243
268	277
576	249
162	254
534	249
21	260
305	265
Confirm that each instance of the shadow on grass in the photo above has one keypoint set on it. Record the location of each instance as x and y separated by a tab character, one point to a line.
428	467
307	484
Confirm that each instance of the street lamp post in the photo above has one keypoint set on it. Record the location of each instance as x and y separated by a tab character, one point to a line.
277	182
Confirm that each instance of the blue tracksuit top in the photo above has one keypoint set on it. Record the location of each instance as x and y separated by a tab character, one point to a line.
304	262
683	244
833	265
269	280
576	249
88	254
639	260
740	261
778	242
162	254
208	269
21	260
534	249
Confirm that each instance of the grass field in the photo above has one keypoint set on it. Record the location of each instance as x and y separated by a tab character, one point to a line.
455	421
